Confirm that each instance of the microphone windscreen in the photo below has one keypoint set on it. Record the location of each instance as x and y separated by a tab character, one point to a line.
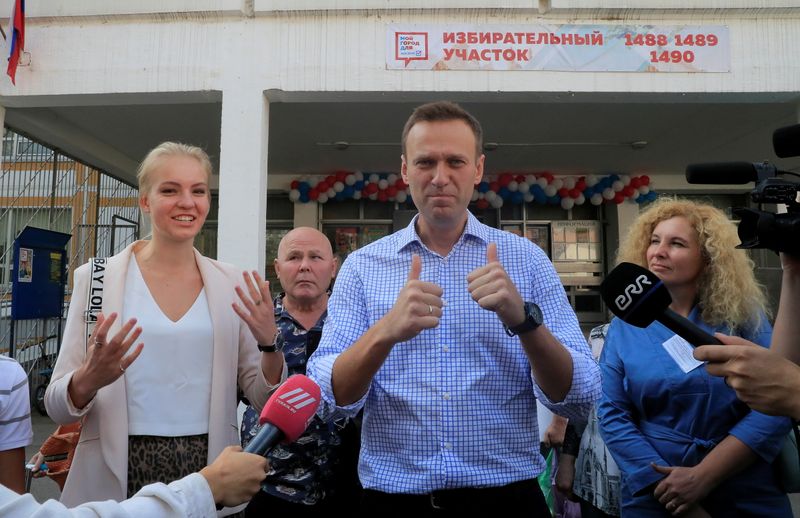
721	173
786	141
635	294
292	406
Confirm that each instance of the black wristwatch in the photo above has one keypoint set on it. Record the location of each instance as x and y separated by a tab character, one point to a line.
275	346
533	319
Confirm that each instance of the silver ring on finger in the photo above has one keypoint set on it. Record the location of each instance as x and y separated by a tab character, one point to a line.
430	309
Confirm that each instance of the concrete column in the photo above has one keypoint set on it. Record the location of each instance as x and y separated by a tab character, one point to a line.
620	219
243	177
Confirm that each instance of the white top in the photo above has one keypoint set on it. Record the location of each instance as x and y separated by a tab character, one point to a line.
15	406
188	497
169	384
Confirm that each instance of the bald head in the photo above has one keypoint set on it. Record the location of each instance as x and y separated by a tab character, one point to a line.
305	265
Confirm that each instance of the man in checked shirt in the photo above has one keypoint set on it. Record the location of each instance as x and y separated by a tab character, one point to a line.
446	332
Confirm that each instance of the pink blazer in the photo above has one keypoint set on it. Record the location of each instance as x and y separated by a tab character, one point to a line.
100	468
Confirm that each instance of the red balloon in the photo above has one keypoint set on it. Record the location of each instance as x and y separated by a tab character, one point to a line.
635	182
506	179
482	203
331	179
295	184
313	194
645	179
563	192
494	186
549	176
619	198
580	185
628	191
341	175
520	178
400	184
382	196
323	186
371	188
391	191
574	193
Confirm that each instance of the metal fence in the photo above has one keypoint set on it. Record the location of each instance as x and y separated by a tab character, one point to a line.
41	187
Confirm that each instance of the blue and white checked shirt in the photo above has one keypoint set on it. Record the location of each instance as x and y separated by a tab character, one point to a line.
456	405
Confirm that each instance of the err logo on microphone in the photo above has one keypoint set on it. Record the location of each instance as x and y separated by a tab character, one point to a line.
635	288
296	399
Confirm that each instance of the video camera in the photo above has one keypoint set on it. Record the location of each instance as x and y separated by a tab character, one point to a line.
761	229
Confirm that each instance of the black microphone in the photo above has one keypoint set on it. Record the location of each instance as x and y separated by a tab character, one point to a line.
636	296
786	141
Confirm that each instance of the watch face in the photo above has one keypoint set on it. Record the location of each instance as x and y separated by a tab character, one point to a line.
534	313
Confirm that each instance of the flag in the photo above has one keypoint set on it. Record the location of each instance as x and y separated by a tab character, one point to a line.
16	26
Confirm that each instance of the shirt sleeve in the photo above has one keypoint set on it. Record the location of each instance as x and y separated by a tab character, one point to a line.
15	407
347	320
632	451
189	497
762	433
560	319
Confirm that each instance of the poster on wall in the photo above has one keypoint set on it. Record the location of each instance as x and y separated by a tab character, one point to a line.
25	267
568	47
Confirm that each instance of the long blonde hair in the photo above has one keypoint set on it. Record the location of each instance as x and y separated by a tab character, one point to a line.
729	293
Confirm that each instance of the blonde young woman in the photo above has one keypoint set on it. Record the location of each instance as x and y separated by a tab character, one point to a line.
684	443
157	387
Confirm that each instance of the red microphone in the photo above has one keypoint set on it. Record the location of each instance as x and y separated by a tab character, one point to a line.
286	415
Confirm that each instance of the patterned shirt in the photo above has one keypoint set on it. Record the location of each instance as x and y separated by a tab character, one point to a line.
454	406
301	471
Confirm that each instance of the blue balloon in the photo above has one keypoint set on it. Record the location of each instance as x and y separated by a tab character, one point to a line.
536	190
304	196
340	195
348	191
516	197
483	187
504	193
303	187
539	197
359	185
554	200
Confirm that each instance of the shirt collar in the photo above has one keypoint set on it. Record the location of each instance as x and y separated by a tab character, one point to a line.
473	229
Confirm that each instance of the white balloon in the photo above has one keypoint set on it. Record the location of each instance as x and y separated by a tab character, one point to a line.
550	190
322	198
580	200
625	179
530	179
567	203
401	196
527	197
350	179
524	187
373	178
497	202
357	195
294	195
383	184
596	199
608	193
490	195
373	196
331	193
644	189
512	186
591	181
558	183
617	185
475	196
359	176
542	181
338	186
569	183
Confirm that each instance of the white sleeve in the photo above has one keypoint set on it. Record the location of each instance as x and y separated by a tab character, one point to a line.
187	497
15	406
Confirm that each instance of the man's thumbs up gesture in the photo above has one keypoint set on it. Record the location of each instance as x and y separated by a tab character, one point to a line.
418	306
492	289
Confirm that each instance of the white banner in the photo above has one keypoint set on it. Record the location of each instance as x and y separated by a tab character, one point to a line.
573	48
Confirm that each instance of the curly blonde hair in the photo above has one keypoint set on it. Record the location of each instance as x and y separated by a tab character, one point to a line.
729	293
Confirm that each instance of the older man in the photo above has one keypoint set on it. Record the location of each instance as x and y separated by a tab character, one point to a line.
446	332
301	478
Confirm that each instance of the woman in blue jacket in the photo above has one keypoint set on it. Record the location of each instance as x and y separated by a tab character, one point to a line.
685	444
